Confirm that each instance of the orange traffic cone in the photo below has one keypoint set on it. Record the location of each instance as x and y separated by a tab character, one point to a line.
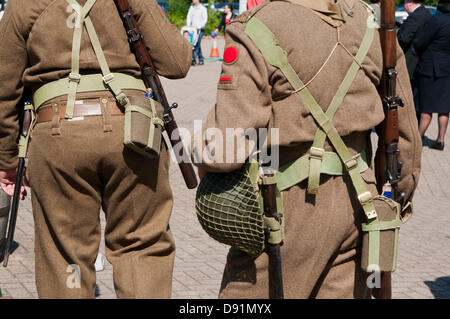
214	50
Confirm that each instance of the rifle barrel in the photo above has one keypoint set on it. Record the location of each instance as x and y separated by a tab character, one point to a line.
14	210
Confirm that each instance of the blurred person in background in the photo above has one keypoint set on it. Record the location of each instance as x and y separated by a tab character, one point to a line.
197	17
227	16
409	30
432	74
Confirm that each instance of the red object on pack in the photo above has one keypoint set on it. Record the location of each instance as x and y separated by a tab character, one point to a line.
225	79
230	55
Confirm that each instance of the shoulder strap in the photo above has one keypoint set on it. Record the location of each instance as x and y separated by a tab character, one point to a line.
319	139
74	77
272	51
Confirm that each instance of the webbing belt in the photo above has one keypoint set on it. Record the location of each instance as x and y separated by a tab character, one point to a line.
75	77
88	83
297	171
272	51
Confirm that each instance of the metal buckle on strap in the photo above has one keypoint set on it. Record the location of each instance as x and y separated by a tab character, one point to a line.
157	121
122	99
74	77
268	180
352	162
108	78
365	198
316	152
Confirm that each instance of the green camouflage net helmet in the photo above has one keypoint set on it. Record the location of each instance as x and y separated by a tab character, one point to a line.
229	210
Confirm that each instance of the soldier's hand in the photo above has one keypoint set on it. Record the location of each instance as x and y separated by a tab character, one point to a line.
8	182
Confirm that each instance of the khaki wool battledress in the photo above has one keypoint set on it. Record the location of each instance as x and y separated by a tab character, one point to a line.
322	245
80	166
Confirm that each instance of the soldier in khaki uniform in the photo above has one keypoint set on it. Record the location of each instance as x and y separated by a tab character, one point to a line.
322	245
78	166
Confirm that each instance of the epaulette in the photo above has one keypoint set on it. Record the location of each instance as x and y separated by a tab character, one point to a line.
246	15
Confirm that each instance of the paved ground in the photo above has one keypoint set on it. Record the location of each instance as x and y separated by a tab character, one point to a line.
424	252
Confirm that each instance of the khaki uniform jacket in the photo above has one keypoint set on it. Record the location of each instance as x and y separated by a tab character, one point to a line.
36	45
253	93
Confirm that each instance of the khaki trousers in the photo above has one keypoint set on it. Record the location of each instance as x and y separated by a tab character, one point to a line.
75	169
321	251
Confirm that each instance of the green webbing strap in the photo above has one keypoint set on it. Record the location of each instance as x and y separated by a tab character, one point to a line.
127	127
319	139
23	141
88	83
386	225
255	172
297	171
271	50
74	77
276	234
151	132
108	77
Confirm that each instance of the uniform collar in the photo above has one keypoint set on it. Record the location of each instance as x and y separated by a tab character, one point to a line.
327	10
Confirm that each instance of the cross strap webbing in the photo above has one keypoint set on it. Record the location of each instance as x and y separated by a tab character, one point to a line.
319	139
74	77
272	51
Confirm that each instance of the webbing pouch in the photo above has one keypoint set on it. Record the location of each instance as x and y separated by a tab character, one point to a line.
380	236
143	126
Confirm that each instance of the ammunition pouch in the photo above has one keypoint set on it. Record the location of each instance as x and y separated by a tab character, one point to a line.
143	126
380	236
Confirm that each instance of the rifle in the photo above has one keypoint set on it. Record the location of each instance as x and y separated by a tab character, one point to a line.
388	167
273	250
153	82
26	125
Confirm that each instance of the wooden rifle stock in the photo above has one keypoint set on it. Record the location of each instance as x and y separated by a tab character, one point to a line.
152	81
387	166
